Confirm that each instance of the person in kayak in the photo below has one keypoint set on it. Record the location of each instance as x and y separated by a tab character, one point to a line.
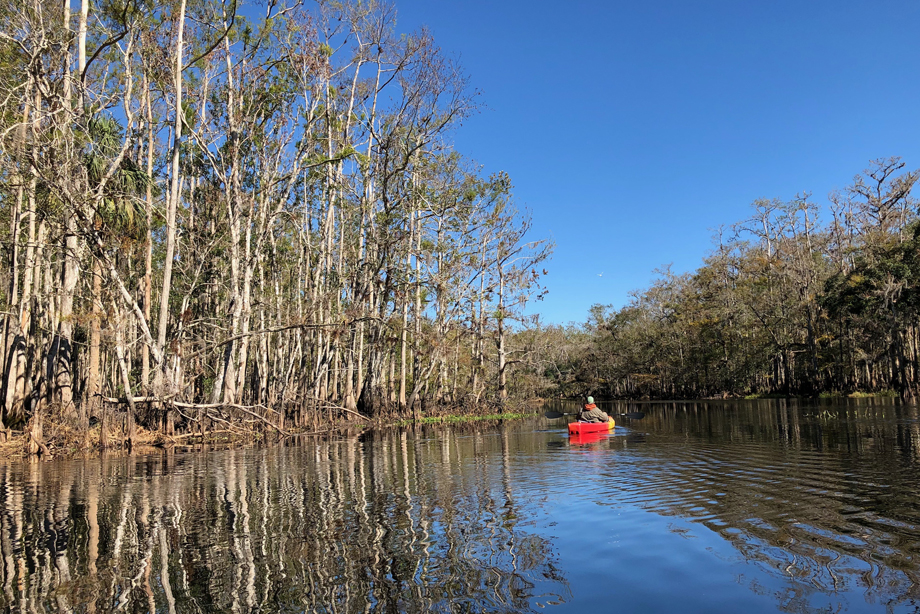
590	413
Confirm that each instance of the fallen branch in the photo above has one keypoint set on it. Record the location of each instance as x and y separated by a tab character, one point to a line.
328	405
186	435
242	408
205	406
126	400
233	428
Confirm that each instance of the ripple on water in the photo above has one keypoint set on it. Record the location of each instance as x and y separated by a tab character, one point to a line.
738	507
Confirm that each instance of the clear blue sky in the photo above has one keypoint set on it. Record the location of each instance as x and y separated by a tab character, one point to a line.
632	129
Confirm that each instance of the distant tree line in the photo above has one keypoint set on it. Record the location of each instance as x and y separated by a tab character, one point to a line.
786	303
213	219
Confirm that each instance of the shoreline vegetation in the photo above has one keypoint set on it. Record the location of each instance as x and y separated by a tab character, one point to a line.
253	224
65	442
228	224
797	300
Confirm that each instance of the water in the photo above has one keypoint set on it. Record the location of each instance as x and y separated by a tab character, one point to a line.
699	507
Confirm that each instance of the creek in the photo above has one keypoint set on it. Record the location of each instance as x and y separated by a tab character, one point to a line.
716	506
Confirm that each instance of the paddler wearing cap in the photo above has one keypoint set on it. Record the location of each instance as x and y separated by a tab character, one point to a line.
590	413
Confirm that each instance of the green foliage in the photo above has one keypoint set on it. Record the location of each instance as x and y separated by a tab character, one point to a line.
783	306
312	201
117	209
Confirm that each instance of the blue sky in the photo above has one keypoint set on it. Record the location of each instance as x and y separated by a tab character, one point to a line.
632	129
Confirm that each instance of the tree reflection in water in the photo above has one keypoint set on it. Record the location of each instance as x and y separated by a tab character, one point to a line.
806	508
824	494
388	524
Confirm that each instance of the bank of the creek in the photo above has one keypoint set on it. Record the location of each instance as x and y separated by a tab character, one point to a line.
753	506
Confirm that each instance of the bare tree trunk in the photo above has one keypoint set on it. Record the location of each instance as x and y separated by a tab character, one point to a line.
60	355
93	396
502	358
148	251
403	335
130	435
14	358
225	384
94	382
172	205
417	315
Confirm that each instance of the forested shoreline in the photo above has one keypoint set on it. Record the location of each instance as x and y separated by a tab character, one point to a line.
221	219
785	303
218	220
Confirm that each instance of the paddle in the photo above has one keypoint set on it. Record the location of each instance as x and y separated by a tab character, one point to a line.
635	415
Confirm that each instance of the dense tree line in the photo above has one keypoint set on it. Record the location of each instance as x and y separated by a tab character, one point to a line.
215	216
784	304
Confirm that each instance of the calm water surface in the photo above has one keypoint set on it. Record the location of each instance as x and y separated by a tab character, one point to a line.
755	506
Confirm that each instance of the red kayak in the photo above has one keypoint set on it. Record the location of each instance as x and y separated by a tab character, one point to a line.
582	439
577	428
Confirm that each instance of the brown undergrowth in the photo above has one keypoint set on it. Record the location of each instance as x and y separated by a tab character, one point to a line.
60	439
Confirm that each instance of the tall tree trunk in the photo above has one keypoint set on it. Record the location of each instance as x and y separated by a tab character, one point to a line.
502	358
130	416
94	380
148	248
93	397
161	386
404	331
60	356
14	358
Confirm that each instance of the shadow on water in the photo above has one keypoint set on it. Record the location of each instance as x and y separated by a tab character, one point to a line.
384	523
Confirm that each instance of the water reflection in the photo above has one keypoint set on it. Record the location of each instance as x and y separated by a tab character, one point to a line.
826	495
390	523
802	507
